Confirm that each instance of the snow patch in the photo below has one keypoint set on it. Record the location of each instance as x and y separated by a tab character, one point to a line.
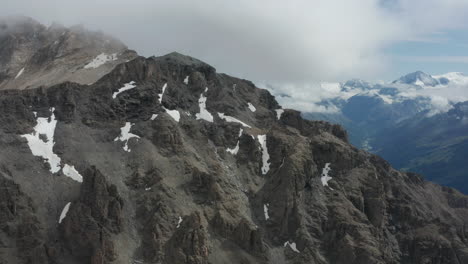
43	147
234	151
126	87
19	73
153	117
251	107
173	113
125	135
100	60
265	156
162	93
204	114
265	211
325	178
279	112
292	246
232	119
64	212
186	80
179	222
71	172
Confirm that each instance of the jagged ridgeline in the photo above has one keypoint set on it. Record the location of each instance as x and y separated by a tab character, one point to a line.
163	160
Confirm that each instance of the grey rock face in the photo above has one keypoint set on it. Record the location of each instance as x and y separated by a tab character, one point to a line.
168	191
32	55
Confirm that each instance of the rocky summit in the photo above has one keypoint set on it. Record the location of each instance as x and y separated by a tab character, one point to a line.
164	160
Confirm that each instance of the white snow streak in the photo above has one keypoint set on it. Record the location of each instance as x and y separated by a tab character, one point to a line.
64	212
292	246
71	172
179	222
265	156
232	119
325	178
204	114
153	117
43	147
186	80
100	60
234	151
279	112
251	107
174	114
162	93
125	135
126	87
265	211
19	73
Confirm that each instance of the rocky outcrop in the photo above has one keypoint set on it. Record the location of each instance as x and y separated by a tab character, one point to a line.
21	233
93	219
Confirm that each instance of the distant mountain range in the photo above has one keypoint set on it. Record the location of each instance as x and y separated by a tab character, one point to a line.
418	122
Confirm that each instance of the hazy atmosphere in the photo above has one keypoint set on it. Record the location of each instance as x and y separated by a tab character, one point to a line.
279	41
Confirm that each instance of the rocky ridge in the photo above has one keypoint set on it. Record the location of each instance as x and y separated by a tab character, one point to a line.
33	55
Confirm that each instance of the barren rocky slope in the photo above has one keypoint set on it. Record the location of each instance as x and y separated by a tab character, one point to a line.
163	160
33	55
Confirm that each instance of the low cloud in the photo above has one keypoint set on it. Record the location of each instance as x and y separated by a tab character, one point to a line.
280	42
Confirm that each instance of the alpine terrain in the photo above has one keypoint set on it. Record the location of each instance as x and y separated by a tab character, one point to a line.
109	157
418	123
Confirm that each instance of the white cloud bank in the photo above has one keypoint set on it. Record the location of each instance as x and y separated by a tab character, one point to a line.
278	41
291	44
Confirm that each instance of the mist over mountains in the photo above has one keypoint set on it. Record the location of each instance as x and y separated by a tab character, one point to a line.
418	122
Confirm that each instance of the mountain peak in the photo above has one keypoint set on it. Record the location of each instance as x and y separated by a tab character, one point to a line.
34	55
418	78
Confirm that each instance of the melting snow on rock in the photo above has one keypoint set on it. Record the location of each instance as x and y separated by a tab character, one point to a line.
71	172
173	113
162	93
204	114
43	147
251	107
19	73
292	246
126	87
325	178
265	156
64	212
234	151
100	60
153	117
179	222
186	79
125	135
279	112
265	211
232	119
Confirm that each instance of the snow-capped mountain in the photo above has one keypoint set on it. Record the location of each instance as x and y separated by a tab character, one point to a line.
389	118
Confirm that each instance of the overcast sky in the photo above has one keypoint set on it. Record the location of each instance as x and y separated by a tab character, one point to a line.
290	42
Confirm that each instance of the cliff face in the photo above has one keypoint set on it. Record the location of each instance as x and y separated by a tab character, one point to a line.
163	160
